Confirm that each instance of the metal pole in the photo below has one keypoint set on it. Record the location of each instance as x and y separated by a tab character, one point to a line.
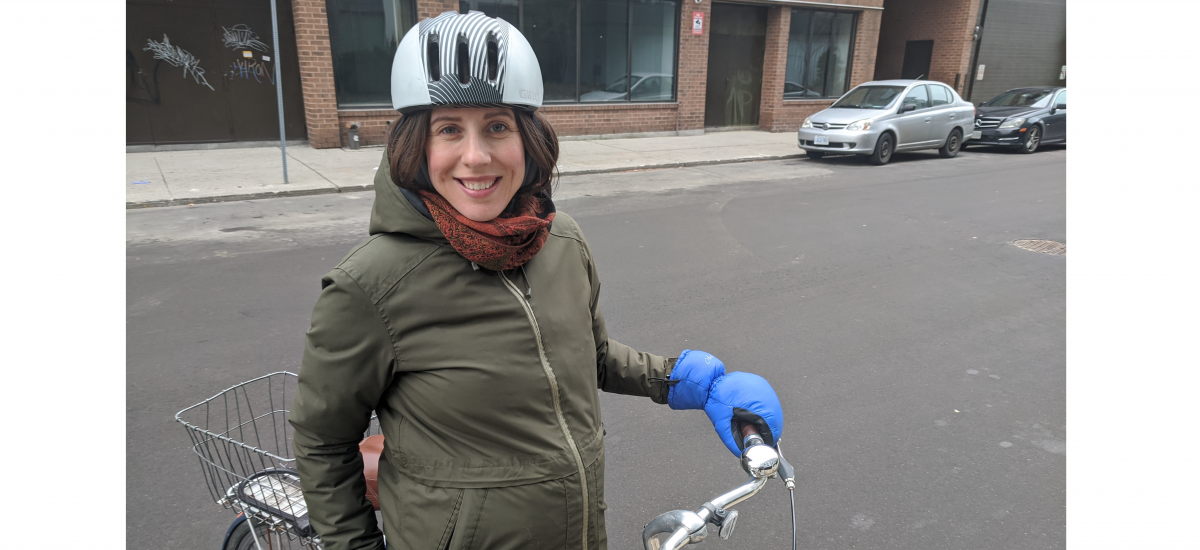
279	90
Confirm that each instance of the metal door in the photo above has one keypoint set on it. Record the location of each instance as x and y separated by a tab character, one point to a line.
913	127
946	115
202	71
917	55
1056	124
735	65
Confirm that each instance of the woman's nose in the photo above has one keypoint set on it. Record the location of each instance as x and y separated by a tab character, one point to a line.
477	152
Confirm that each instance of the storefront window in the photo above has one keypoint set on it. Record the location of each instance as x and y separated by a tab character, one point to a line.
819	50
654	40
508	10
597	50
550	28
363	35
603	50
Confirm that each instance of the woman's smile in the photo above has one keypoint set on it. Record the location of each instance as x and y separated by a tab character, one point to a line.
478	186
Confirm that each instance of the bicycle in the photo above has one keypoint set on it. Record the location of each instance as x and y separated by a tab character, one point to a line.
243	441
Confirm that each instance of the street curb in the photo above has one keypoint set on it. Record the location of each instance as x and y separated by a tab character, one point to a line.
134	205
246	197
680	164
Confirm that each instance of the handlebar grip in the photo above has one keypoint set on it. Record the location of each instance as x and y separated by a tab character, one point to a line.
750	435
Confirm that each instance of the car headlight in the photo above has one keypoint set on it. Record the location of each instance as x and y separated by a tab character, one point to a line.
859	126
1013	123
807	123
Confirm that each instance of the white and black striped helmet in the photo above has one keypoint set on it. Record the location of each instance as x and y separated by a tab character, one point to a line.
465	59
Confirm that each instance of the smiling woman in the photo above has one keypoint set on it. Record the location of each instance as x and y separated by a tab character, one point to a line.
470	324
475	159
470	143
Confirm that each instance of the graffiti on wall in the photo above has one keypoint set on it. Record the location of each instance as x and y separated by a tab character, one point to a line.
252	68
739	105
178	57
241	37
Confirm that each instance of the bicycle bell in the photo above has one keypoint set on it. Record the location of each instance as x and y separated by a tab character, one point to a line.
759	460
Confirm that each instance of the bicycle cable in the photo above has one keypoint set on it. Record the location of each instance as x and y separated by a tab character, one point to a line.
792	497
788	475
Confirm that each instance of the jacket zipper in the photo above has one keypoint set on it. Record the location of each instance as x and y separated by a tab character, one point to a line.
562	421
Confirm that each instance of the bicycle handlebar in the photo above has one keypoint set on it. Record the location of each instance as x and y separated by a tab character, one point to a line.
687	527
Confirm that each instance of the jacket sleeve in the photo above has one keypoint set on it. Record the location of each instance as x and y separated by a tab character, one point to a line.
348	363
620	368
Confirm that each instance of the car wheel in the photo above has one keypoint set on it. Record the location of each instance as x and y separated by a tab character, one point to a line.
815	154
883	150
1032	140
953	144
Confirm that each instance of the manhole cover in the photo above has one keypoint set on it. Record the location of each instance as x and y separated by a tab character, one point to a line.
1045	247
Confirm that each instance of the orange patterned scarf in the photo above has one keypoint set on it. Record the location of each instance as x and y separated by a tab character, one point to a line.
504	243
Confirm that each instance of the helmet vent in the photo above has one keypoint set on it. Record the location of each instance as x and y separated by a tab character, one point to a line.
434	57
493	57
463	51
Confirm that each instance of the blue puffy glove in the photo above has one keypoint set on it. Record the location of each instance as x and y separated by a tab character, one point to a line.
743	398
698	381
694	373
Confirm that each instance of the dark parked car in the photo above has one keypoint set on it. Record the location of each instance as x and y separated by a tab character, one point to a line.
1024	118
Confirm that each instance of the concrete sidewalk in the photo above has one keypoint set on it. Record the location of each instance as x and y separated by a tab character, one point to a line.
192	177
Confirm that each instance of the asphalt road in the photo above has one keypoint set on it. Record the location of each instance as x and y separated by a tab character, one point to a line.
919	355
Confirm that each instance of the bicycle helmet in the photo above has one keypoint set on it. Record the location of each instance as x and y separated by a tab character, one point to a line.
465	59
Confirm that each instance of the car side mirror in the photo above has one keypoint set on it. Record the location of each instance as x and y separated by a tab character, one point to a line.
1061	106
908	107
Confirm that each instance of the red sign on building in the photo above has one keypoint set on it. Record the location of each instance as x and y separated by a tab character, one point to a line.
697	22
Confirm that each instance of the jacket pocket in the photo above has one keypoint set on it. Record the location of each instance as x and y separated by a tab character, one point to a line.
597	536
415	516
537	516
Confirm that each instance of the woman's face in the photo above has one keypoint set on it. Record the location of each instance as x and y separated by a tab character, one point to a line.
476	159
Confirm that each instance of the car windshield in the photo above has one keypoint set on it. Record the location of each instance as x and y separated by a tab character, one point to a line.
618	85
1021	98
869	97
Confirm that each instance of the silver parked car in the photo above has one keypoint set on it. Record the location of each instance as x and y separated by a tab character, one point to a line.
879	118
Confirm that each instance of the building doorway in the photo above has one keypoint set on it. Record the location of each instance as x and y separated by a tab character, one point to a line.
735	65
201	73
917	55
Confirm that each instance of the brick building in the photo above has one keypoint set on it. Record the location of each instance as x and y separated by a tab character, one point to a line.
611	67
758	37
980	47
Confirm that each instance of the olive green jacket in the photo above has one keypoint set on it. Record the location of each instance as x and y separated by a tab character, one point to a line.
485	387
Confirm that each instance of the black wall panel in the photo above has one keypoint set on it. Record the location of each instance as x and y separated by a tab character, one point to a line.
1023	43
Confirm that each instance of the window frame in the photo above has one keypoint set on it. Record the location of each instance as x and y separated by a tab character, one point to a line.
950	101
854	20
628	55
924	88
410	7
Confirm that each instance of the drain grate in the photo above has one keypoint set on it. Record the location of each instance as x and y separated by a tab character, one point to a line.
1045	247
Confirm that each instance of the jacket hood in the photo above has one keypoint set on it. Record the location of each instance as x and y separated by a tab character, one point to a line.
393	212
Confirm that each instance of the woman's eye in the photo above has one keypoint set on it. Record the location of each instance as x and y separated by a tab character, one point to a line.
499	127
448	130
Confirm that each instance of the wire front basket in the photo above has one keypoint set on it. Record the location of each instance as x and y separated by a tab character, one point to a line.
244	444
242	431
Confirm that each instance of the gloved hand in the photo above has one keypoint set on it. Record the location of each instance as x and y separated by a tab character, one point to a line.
729	399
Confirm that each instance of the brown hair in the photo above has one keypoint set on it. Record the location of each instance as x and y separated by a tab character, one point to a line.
406	149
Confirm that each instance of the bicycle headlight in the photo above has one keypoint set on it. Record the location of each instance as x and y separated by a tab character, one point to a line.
1013	123
807	123
859	126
